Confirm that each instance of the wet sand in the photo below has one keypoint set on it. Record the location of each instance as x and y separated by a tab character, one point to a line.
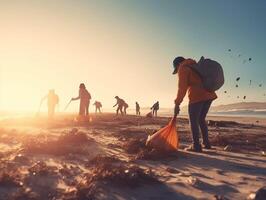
106	158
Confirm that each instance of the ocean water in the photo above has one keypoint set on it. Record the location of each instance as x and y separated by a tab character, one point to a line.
163	112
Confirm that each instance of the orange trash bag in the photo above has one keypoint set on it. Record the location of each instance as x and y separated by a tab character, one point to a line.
166	138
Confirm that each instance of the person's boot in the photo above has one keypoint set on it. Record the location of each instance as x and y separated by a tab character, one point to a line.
207	146
194	148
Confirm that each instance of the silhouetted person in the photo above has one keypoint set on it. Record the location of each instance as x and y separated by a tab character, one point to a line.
137	109
155	108
98	106
85	98
125	106
200	101
52	101
120	104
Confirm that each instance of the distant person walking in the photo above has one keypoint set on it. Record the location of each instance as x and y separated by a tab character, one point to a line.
52	101
137	109
199	100
155	108
98	106
120	104
84	97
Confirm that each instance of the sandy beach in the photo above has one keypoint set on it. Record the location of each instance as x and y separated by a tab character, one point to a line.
106	158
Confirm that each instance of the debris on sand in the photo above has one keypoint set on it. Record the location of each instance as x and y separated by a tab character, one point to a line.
69	143
9	180
172	170
24	195
228	148
102	159
154	154
134	146
238	78
222	123
40	168
73	138
219	140
106	170
220	197
21	159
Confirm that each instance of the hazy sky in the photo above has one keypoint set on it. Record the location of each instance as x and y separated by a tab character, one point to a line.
126	48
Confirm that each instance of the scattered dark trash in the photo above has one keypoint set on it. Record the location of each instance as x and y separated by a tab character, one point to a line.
9	180
220	197
229	50
134	146
154	154
222	123
249	59
236	86
72	142
244	97
41	169
23	194
172	170
22	159
219	140
73	138
225	91
260	85
238	78
228	148
102	159
106	170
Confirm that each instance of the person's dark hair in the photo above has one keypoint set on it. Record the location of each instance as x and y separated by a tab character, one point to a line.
176	62
82	86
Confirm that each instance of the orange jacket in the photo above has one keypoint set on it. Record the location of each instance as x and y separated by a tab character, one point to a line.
190	80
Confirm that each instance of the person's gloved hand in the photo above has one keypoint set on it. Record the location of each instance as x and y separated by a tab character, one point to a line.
177	110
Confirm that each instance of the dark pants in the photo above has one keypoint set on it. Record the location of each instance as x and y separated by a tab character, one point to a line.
197	115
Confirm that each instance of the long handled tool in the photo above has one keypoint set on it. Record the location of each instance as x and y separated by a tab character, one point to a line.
39	109
67	105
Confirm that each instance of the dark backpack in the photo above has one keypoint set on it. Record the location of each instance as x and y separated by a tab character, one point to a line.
210	72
